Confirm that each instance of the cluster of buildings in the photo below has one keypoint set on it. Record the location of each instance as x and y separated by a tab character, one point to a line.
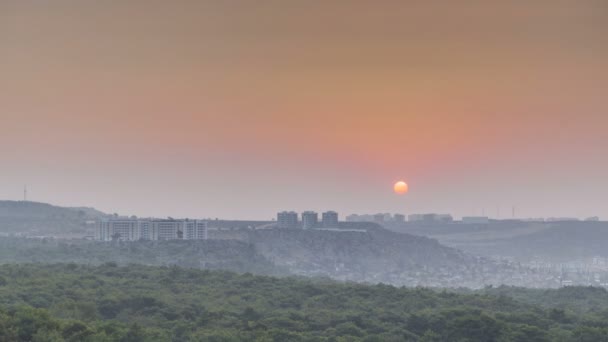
399	218
447	218
128	229
571	219
378	218
431	218
475	220
310	219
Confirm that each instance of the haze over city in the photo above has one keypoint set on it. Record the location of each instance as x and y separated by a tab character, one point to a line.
212	109
299	171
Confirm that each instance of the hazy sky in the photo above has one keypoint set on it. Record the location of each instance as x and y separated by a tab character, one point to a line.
238	109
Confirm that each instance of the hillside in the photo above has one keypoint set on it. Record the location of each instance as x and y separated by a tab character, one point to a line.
21	209
228	255
376	256
363	252
379	255
138	303
523	241
33	218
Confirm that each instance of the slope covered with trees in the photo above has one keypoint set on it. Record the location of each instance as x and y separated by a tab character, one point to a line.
139	303
232	255
373	257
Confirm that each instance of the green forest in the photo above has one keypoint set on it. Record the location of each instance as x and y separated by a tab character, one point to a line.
229	255
71	302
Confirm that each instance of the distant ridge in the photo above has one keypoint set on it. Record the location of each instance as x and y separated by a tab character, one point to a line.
33	218
362	252
523	241
39	209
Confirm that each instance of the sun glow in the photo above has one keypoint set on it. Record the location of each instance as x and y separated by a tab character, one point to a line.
401	188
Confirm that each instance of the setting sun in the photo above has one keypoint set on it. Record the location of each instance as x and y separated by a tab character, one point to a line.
400	188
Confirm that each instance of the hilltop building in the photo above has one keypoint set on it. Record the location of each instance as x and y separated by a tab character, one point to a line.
195	230
330	219
117	229
310	219
145	229
431	218
399	218
475	220
166	229
359	218
562	219
353	218
533	219
377	218
150	229
287	219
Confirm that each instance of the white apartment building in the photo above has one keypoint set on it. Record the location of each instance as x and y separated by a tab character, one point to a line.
195	230
117	229
147	229
166	229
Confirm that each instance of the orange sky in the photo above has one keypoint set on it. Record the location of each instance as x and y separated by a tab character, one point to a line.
239	109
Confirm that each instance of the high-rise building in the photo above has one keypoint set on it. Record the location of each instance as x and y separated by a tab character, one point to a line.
310	219
166	229
445	218
353	218
430	218
145	229
399	218
148	229
287	219
195	230
103	231
414	217
117	229
379	218
330	219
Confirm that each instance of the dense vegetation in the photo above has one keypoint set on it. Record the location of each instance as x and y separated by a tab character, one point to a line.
379	256
229	255
140	303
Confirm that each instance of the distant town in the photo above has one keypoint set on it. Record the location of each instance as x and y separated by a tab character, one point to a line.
430	249
133	228
447	218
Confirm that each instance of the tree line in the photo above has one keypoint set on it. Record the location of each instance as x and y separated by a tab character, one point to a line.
70	302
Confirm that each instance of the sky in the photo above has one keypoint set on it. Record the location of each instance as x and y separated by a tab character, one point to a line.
240	109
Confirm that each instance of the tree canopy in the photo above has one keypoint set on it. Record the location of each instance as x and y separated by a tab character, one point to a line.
70	302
